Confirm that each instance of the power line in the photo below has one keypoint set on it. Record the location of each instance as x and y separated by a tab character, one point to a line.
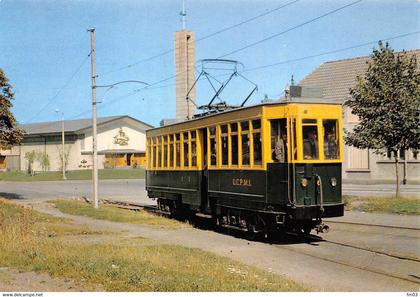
203	38
278	34
61	89
290	29
328	53
153	85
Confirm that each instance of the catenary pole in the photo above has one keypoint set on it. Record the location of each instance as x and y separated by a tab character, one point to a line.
62	147
94	128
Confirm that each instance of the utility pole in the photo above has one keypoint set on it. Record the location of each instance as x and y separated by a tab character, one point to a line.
94	130
63	157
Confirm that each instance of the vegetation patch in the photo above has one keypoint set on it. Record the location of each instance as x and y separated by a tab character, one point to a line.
134	265
400	205
115	214
137	173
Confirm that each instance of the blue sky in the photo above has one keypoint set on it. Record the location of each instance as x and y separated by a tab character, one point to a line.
44	48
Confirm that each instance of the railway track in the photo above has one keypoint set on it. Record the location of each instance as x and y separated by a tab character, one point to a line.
410	278
372	225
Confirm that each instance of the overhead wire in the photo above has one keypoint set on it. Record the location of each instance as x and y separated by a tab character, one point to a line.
60	90
203	38
275	35
153	85
290	29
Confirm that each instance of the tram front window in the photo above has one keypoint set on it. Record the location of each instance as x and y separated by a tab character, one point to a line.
331	151
310	143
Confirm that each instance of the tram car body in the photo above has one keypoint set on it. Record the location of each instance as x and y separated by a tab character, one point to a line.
268	167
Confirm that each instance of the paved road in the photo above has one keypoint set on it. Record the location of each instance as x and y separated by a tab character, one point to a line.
122	190
133	190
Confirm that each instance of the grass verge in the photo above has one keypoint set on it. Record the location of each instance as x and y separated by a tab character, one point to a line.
137	173
114	214
126	265
400	205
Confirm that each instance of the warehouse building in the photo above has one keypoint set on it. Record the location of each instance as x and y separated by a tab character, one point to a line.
121	143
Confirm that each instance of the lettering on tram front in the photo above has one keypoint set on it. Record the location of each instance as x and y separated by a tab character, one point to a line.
244	182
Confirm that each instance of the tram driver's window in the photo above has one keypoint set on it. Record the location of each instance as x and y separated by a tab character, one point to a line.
245	142
310	143
331	151
278	140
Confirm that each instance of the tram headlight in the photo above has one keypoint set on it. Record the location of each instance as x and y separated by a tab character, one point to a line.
304	182
333	182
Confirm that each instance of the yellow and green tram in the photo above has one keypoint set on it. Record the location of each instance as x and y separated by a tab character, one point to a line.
273	166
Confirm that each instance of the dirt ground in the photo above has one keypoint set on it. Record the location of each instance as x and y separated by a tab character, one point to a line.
12	279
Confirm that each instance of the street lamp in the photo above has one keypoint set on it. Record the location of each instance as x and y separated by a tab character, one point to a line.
63	157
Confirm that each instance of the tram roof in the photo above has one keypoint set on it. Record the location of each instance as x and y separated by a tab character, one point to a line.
280	102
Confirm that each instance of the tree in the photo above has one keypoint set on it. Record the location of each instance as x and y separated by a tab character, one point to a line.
387	102
9	133
44	160
31	157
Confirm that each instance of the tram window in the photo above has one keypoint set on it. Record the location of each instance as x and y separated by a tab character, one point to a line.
309	121
278	140
257	148
193	153
234	143
186	163
213	145
193	149
171	150
165	151
224	129
245	149
331	150
245	126
149	159
310	142
294	139
177	150
256	124
225	150
154	153
158	151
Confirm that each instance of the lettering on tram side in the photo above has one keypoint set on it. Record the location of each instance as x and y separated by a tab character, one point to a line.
244	182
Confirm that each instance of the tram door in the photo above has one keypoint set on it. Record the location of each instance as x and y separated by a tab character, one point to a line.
205	203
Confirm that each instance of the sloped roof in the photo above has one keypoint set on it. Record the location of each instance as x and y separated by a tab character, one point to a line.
70	126
337	77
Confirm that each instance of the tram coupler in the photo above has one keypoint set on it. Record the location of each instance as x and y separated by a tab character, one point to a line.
322	228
